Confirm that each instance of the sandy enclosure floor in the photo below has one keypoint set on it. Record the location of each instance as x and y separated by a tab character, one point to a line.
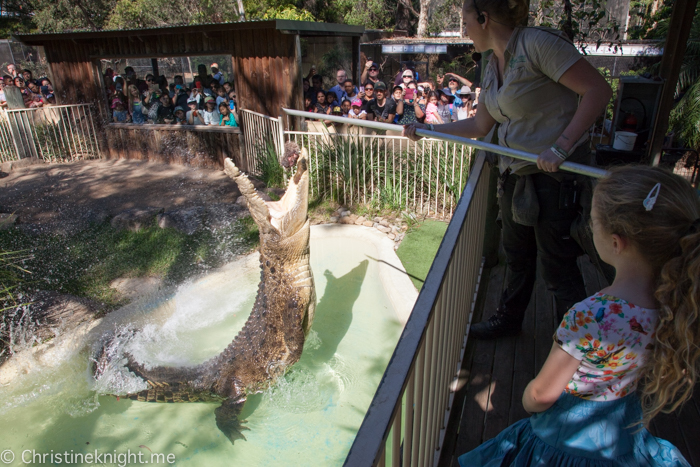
73	194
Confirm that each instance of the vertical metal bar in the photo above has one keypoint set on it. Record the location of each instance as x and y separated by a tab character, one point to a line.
408	418
72	133
396	438
428	375
420	381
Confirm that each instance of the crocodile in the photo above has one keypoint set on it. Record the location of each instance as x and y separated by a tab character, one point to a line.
273	337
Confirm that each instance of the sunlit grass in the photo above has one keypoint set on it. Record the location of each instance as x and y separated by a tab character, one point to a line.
85	262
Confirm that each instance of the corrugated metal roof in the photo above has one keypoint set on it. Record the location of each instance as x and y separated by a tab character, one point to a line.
285	26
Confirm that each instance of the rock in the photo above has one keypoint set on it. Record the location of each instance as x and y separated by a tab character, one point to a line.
241	201
384	222
334	219
344	213
347	220
185	220
136	287
378	219
26	162
367	223
135	219
360	220
95	217
7	221
383	229
391	236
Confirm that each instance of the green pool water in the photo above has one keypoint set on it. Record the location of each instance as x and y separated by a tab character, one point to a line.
310	417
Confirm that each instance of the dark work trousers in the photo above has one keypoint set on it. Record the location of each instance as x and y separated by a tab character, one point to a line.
550	240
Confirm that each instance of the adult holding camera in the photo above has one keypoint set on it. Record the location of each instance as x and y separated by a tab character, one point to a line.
531	88
410	109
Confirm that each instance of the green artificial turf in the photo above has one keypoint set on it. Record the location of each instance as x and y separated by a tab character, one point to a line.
419	247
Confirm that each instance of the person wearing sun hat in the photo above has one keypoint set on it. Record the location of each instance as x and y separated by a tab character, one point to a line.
356	110
461	109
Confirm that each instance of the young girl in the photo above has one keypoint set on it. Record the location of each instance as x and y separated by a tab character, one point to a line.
431	110
119	113
356	110
136	106
227	118
644	327
321	106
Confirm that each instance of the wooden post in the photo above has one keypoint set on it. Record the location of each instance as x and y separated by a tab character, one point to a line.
674	50
154	65
356	61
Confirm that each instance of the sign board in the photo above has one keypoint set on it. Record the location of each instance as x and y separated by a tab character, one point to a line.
414	49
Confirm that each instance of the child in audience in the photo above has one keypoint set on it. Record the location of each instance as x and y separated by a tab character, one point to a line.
331	99
431	110
356	110
221	96
136	106
645	327
180	117
345	107
308	105
119	113
227	118
210	114
194	115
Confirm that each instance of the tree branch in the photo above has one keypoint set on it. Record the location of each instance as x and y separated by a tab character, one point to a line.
407	4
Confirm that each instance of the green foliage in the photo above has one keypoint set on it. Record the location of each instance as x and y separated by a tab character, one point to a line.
63	15
583	20
447	15
129	14
277	9
271	172
372	14
288	12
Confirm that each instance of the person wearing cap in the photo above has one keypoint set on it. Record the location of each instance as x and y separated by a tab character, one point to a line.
211	114
180	115
544	96
216	74
356	110
370	73
119	113
194	115
381	108
454	81
445	105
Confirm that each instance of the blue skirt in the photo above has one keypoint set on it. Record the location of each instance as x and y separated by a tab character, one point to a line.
575	432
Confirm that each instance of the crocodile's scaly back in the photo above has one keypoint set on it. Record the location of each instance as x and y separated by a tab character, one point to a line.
272	338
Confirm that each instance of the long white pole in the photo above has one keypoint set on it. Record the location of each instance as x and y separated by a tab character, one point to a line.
515	153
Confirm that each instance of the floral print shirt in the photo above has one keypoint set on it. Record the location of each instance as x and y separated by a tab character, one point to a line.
612	338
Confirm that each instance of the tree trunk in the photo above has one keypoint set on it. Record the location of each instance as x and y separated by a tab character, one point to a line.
241	11
423	18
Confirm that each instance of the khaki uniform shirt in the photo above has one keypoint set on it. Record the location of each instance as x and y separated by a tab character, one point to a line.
533	109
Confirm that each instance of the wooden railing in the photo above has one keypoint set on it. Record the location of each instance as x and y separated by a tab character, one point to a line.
405	423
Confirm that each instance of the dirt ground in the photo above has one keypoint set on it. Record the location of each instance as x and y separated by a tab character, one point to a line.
61	196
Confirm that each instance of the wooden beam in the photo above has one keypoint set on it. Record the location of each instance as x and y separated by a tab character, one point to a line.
154	65
356	61
674	50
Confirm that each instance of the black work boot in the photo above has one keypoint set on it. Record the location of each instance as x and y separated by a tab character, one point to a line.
501	324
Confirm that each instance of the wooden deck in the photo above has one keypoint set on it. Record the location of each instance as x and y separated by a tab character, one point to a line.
495	374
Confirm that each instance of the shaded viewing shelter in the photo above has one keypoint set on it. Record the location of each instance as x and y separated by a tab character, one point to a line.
266	58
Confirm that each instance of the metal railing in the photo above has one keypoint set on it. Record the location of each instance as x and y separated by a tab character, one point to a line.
426	176
405	424
52	133
258	131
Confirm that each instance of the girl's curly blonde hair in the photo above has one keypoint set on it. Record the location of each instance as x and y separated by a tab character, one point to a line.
668	236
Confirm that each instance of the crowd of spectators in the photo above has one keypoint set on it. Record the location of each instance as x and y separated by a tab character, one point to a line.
207	100
405	100
35	92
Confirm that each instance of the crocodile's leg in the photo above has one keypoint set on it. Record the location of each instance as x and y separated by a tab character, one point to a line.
227	418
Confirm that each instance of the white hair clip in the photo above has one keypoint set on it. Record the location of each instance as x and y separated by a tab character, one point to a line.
651	197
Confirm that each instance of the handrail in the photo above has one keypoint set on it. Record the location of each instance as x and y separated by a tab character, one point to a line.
515	153
258	114
369	442
171	127
46	107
